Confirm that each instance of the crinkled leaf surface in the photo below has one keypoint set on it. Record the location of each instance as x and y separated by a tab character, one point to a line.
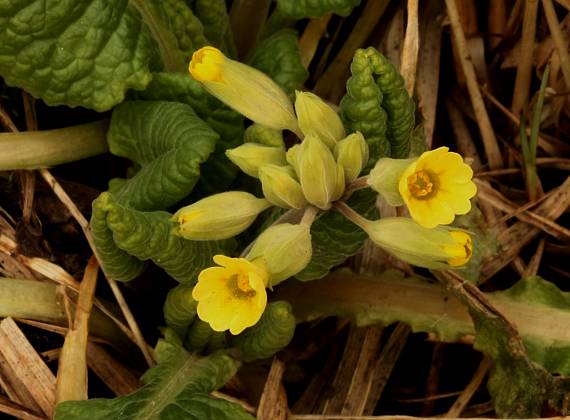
298	9
214	17
335	238
79	53
220	172
278	56
169	141
187	29
176	388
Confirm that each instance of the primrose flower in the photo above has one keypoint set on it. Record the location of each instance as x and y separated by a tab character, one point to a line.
249	157
438	248
316	116
245	89
231	296
280	186
352	154
219	216
285	250
436	187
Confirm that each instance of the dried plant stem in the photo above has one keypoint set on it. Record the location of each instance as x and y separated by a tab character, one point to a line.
560	42
524	69
485	127
309	41
469	391
409	62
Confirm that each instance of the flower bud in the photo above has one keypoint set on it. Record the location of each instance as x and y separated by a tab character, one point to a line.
291	157
437	248
257	133
280	186
352	154
219	216
384	178
321	178
285	249
316	116
245	89
249	157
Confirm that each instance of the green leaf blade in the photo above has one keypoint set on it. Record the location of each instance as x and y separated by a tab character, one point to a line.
298	9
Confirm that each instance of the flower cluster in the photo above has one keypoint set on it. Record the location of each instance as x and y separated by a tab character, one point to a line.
312	176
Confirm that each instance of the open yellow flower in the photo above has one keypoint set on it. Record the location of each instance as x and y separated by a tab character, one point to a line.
233	295
436	187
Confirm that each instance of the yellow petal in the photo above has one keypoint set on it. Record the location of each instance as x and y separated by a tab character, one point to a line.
210	281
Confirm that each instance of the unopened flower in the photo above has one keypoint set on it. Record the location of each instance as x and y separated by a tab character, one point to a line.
219	216
249	157
322	179
285	250
280	186
436	187
352	153
232	296
316	116
384	178
438	248
245	89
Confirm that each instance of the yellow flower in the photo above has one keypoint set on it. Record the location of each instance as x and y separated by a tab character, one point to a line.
436	187
233	295
461	250
245	89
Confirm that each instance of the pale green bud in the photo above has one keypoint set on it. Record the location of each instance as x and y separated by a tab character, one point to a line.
437	248
257	133
245	89
321	178
352	153
316	116
285	249
385	177
280	186
292	155
249	157
219	216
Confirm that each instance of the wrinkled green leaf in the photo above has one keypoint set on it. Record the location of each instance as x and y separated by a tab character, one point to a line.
274	331
278	56
180	309
214	17
78	53
187	28
148	236
169	142
298	9
176	388
220	172
198	336
378	105
335	238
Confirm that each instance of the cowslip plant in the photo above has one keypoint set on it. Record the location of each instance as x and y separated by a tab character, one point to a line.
314	176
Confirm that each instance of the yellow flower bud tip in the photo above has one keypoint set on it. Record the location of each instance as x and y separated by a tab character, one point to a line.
205	65
219	216
280	186
314	115
436	187
462	250
232	295
249	157
285	249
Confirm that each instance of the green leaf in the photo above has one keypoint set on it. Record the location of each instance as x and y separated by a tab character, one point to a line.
176	388
216	23
169	142
278	56
180	309
274	331
335	238
78	53
199	335
298	9
148	236
378	105
227	123
187	28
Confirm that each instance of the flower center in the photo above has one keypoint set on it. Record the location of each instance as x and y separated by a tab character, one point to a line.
422	184
239	283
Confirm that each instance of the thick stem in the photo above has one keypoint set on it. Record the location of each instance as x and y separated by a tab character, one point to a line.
309	215
351	215
40	149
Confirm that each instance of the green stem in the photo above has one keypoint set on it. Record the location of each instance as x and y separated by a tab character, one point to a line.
39	301
40	149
